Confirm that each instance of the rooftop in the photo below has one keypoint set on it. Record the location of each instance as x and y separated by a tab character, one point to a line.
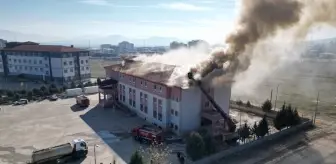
44	48
155	72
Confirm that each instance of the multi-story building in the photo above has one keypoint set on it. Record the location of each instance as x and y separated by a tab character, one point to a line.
2	43
47	62
125	47
178	107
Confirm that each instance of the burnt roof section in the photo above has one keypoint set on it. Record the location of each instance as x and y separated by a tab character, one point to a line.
155	72
43	48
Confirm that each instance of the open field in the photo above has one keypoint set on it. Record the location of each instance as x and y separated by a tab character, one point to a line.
40	125
97	67
299	84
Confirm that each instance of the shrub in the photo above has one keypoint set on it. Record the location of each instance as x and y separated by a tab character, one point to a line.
195	146
239	102
248	104
136	158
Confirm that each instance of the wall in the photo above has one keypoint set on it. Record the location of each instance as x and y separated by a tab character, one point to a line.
149	116
190	111
57	67
266	139
222	97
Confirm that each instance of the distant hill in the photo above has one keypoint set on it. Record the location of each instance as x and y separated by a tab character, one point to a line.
85	41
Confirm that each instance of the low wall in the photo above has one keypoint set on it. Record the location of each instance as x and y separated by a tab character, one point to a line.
266	139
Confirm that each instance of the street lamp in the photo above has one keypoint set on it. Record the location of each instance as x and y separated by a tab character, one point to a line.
94	153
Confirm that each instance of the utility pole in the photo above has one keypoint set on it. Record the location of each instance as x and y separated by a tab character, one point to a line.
271	95
276	97
316	108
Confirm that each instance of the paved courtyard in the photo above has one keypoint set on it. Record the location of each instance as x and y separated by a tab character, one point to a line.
40	125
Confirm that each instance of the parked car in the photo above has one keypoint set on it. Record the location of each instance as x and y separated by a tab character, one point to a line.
21	102
53	97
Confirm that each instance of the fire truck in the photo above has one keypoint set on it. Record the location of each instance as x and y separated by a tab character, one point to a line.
147	134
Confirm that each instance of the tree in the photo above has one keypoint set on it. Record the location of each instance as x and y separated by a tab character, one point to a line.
136	158
210	145
195	146
248	104
73	85
244	132
267	106
16	96
239	102
263	127
98	81
65	88
36	92
254	130
43	89
30	95
88	84
286	117
10	93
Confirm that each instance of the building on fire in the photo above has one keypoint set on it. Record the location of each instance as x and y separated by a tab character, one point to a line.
150	95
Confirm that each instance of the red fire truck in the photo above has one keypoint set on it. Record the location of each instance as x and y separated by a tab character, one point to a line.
147	134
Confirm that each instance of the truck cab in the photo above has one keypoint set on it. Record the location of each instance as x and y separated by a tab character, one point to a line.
80	147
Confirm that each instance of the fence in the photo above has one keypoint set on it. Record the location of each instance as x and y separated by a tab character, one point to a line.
252	144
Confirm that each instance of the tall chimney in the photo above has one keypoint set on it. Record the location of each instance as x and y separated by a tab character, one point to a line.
71	46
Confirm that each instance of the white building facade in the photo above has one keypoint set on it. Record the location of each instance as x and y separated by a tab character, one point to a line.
55	63
176	108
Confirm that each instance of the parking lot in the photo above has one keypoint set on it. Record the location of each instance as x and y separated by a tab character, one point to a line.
44	124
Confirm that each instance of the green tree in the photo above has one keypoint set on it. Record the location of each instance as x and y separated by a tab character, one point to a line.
244	132
136	158
239	102
30	95
73	85
36	92
23	92
10	93
267	106
210	145
195	146
297	118
16	96
263	128
43	89
98	81
248	104
254	130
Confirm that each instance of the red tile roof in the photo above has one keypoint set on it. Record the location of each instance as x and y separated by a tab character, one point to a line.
44	48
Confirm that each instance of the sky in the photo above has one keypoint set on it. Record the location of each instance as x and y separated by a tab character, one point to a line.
185	19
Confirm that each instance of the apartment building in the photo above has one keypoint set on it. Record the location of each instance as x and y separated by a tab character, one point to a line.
46	62
177	107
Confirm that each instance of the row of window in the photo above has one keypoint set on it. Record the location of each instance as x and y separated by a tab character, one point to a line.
25	68
71	62
24	61
173	126
157	108
24	53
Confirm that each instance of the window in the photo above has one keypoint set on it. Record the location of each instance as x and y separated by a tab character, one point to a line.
40	61
176	113
65	63
35	69
176	127
82	62
14	60
160	89
145	84
154	86
154	107
71	69
9	59
172	111
141	102
87	61
19	60
47	72
20	67
35	62
87	68
15	67
82	68
29	61
65	71
70	62
46	65
141	82
45	58
41	69
134	98
146	107
160	109
24	61
124	93
25	67
160	116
